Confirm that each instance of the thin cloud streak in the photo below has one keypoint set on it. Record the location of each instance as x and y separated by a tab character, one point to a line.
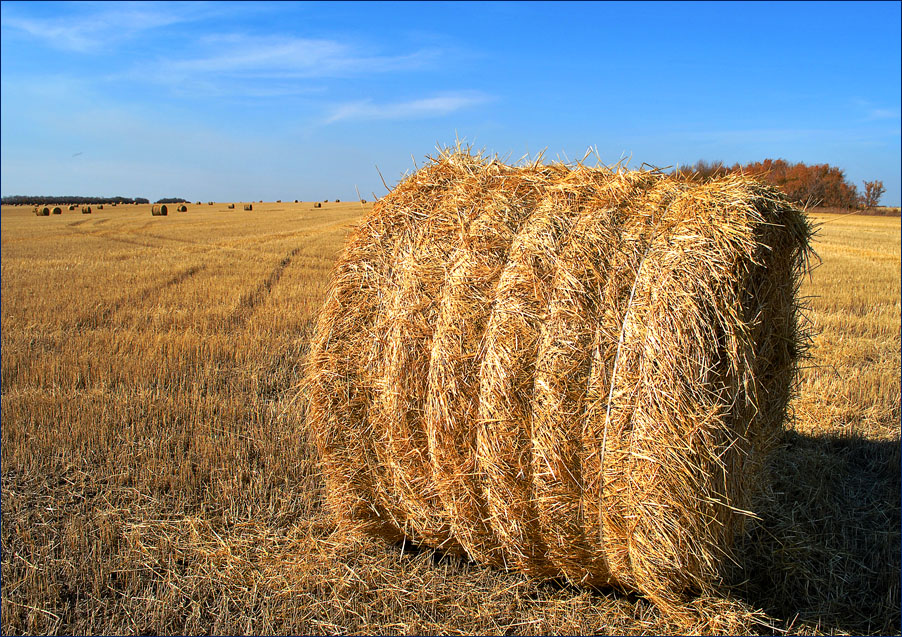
97	31
436	106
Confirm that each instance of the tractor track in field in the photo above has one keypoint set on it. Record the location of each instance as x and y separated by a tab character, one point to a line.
101	316
252	299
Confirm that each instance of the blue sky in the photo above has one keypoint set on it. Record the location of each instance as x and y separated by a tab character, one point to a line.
246	101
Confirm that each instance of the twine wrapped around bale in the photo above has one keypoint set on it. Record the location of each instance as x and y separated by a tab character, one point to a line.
573	372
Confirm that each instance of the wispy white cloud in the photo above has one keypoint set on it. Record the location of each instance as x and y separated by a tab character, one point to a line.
435	106
871	111
253	66
884	113
293	57
108	24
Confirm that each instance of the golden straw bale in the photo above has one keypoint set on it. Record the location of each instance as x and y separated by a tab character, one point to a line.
57	210
248	206
574	372
159	210
182	208
86	210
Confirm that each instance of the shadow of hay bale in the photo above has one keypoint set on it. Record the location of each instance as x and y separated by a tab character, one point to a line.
826	550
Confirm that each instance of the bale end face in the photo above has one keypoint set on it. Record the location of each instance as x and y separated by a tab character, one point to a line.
488	370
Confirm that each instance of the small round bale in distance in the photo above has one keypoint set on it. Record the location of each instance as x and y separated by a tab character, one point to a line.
42	211
57	210
231	206
575	372
71	207
100	206
317	205
86	210
248	206
159	210
183	208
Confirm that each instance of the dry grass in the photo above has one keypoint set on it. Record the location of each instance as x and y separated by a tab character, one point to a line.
156	476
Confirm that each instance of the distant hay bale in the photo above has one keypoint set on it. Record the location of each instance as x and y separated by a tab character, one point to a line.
231	206
100	206
574	372
86	210
295	201
159	210
337	201
57	210
248	206
42	211
317	205
363	201
182	208
278	201
209	203
71	206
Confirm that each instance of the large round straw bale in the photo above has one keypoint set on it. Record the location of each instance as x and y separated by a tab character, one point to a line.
317	205
575	372
248	206
86	210
231	206
57	210
159	210
42	211
71	206
183	208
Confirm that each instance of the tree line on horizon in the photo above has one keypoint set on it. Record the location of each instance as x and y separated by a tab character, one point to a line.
63	200
20	200
814	185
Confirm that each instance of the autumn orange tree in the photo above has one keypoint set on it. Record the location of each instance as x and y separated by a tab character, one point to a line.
873	190
814	185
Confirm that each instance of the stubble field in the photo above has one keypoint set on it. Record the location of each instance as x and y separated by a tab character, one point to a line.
157	475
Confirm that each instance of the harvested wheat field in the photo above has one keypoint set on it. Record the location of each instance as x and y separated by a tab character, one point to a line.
160	475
